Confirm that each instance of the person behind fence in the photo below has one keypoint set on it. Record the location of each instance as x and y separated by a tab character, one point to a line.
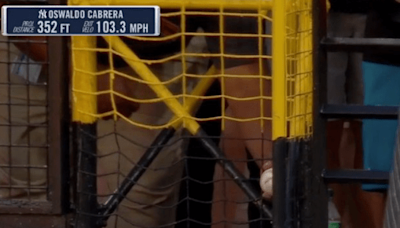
234	86
346	19
22	138
230	202
381	74
239	85
23	117
153	200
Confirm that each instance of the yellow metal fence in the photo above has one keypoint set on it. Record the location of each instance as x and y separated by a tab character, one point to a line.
290	60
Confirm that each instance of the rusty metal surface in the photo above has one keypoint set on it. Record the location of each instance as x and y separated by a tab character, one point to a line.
33	221
24	207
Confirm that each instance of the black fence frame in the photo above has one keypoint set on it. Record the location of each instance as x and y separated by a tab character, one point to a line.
317	196
300	191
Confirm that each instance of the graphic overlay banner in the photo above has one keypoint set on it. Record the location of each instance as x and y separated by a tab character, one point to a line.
80	20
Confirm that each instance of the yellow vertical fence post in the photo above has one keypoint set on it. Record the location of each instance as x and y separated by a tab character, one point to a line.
84	80
278	69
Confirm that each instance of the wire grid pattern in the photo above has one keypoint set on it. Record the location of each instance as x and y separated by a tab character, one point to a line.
159	196
23	121
299	68
185	78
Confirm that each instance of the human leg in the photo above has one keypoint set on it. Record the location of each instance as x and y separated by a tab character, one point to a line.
228	197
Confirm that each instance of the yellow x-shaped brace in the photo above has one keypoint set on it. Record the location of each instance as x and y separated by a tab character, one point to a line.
161	90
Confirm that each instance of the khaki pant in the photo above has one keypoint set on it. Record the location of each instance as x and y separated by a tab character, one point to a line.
22	141
153	200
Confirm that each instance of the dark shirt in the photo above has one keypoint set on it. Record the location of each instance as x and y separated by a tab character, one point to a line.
382	22
350	6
